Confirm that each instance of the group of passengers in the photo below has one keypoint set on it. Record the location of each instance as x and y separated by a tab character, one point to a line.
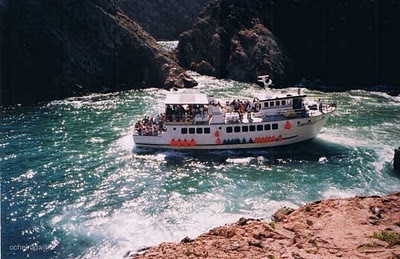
150	126
244	106
185	113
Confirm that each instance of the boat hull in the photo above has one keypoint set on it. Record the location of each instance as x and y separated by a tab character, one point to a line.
224	136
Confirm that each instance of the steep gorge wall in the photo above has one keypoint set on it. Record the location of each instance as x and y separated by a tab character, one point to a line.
348	43
163	19
55	49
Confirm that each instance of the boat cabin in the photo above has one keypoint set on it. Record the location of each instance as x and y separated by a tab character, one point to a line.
288	106
186	109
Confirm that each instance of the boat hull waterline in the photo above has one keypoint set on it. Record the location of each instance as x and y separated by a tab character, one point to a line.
300	129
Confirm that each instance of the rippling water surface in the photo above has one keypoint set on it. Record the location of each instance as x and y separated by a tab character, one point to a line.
74	187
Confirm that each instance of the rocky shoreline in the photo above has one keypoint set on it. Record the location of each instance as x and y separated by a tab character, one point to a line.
358	227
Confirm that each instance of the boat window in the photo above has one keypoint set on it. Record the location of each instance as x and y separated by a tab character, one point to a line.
207	130
297	103
191	130
283	102
184	131
229	129
252	128
278	103
266	104
274	126
237	129
271	104
259	127
267	127
199	130
245	128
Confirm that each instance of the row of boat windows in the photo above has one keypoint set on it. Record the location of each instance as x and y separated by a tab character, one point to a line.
235	129
196	130
277	103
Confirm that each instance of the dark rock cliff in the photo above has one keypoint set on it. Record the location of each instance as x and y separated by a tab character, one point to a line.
163	19
347	43
54	49
229	40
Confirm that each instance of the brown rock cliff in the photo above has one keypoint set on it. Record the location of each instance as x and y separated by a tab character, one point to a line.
359	227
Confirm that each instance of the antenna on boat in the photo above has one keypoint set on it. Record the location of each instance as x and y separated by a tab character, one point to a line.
265	80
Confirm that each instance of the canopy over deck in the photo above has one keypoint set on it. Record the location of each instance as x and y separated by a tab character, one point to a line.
186	99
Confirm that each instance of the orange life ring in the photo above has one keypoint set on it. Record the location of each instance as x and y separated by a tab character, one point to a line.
288	126
216	134
179	143
219	142
192	143
173	143
280	138
185	143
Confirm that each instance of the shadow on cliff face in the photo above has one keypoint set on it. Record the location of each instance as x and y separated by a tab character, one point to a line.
163	19
52	50
351	44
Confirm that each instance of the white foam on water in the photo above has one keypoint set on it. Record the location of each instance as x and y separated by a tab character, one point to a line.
245	160
335	193
344	136
126	142
131	231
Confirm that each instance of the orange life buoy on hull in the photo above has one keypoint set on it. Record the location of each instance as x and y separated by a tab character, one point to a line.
288	126
219	142
216	134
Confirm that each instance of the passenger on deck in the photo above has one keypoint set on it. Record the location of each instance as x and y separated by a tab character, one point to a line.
150	126
320	105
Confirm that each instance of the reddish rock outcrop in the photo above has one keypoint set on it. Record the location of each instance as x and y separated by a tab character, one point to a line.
360	227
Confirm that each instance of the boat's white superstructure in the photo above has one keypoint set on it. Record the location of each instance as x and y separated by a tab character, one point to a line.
197	121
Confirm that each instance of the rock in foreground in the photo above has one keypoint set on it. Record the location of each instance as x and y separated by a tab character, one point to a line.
360	227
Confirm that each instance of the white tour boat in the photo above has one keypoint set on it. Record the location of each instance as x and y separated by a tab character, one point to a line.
198	121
